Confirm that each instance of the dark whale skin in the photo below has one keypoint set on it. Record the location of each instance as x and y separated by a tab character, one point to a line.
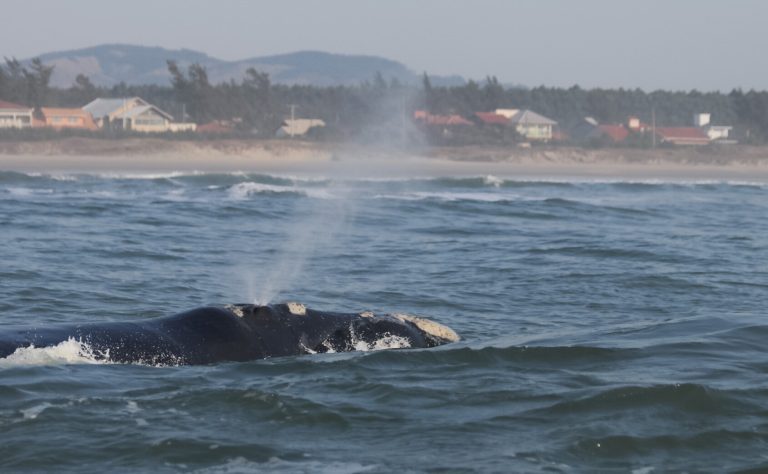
232	333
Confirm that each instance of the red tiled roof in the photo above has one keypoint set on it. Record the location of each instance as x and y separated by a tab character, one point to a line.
448	120
617	133
213	127
492	118
429	119
11	105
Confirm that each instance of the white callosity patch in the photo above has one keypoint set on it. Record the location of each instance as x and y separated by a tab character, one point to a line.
430	327
236	310
297	309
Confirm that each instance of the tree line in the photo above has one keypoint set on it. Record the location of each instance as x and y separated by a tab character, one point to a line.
381	109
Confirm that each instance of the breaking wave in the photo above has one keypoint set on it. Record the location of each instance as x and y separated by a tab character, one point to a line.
242	191
71	351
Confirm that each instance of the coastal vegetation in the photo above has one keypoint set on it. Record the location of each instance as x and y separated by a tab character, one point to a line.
381	109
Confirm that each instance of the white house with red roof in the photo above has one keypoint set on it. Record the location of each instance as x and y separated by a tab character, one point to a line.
15	115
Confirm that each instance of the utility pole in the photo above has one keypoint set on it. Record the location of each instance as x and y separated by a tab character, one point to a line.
293	119
403	133
653	125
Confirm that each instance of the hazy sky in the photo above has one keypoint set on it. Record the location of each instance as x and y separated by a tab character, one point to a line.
672	44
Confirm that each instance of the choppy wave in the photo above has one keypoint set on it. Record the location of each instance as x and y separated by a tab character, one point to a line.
245	190
71	351
609	325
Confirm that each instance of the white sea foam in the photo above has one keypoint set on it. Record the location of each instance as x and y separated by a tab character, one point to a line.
492	180
387	342
452	196
149	176
71	351
176	195
240	465
24	192
33	412
55	177
241	191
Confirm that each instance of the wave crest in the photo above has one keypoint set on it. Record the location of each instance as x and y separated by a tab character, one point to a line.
71	351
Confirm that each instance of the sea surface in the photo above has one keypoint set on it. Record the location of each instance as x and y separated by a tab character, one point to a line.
607	325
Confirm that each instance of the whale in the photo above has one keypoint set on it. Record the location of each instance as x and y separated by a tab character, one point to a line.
234	333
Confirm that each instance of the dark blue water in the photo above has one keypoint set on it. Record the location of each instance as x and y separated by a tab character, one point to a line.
608	326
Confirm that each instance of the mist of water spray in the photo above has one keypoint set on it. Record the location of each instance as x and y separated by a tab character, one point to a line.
316	224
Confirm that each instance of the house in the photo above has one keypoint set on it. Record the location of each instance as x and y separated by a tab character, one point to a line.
60	118
590	131
509	113
492	118
533	126
144	118
714	132
105	111
134	113
634	124
608	132
583	129
426	118
298	127
682	135
15	115
216	127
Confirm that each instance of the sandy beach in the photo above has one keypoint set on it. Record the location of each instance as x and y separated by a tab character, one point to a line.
157	156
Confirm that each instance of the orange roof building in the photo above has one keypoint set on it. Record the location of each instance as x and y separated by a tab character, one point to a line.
60	118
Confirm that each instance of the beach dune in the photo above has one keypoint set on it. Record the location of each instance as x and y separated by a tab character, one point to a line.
151	155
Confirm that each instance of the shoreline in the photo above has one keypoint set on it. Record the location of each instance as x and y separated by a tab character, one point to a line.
158	156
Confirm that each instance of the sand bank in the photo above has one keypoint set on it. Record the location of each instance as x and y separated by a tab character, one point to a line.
149	156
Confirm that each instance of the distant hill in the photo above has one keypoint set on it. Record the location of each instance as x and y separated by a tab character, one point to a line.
110	64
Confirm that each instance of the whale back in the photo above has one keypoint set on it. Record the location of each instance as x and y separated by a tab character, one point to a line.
323	331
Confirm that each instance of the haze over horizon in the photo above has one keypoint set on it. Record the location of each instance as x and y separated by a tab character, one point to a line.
594	43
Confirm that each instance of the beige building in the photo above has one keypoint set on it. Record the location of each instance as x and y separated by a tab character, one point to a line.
532	125
105	111
298	127
144	118
134	113
15	115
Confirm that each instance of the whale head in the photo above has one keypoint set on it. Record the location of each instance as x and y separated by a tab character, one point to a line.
320	331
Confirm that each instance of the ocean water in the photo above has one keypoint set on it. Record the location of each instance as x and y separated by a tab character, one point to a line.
608	326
